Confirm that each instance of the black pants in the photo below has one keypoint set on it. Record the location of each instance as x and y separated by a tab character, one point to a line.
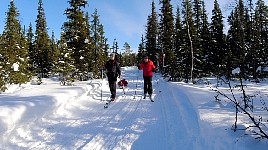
112	85
148	88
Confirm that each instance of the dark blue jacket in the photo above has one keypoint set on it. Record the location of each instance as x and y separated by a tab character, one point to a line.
113	70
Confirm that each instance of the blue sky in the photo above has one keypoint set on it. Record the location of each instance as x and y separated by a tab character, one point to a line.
123	20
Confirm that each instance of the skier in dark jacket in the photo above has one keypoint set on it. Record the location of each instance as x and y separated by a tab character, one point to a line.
113	72
148	68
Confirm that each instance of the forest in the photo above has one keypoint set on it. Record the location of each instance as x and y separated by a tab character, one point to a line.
185	45
188	46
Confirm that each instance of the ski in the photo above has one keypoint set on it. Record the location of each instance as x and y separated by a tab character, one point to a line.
108	103
150	97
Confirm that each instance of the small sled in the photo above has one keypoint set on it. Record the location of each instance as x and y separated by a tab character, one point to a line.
122	83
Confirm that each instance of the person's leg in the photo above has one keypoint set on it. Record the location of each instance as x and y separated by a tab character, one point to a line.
150	86
145	86
111	88
114	89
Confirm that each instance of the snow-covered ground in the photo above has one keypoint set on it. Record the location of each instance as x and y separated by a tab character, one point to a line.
183	117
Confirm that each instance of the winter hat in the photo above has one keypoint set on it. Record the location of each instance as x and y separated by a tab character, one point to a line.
112	55
145	56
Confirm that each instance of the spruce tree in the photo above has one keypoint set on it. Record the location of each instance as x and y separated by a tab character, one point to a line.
196	38
14	50
178	45
3	81
65	62
217	52
236	38
141	51
30	43
152	34
188	32
260	35
42	49
54	53
205	43
99	44
166	27
76	34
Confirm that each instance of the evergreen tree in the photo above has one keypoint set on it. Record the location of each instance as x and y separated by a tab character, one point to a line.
217	52
260	36
128	59
141	51
236	38
178	45
2	71
151	34
14	50
196	38
55	53
166	28
205	43
99	45
42	49
76	34
188	32
65	62
30	44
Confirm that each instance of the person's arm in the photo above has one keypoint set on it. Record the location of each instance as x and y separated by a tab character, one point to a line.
118	70
153	67
106	65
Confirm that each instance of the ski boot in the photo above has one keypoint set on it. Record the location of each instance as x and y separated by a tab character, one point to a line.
150	96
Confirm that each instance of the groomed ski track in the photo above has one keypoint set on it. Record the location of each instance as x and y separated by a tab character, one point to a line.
130	122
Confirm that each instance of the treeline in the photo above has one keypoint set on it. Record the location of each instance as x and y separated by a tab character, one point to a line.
186	46
24	53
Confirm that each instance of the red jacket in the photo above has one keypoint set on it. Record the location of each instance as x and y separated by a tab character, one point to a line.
147	68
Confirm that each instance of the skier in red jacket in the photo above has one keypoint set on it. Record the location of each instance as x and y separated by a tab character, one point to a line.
148	68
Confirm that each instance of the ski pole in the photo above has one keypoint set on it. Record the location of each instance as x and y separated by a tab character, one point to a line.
136	86
101	81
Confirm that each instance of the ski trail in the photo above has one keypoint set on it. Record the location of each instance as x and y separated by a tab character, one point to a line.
175	117
187	119
127	123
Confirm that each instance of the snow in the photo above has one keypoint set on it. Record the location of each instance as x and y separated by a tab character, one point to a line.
184	116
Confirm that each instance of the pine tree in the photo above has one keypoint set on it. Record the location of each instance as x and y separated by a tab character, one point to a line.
151	34
236	38
166	28
205	43
65	62
99	44
178	45
2	64
55	53
30	43
188	32
76	34
217	52
126	58
42	49
260	36
141	51
196	38
14	50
